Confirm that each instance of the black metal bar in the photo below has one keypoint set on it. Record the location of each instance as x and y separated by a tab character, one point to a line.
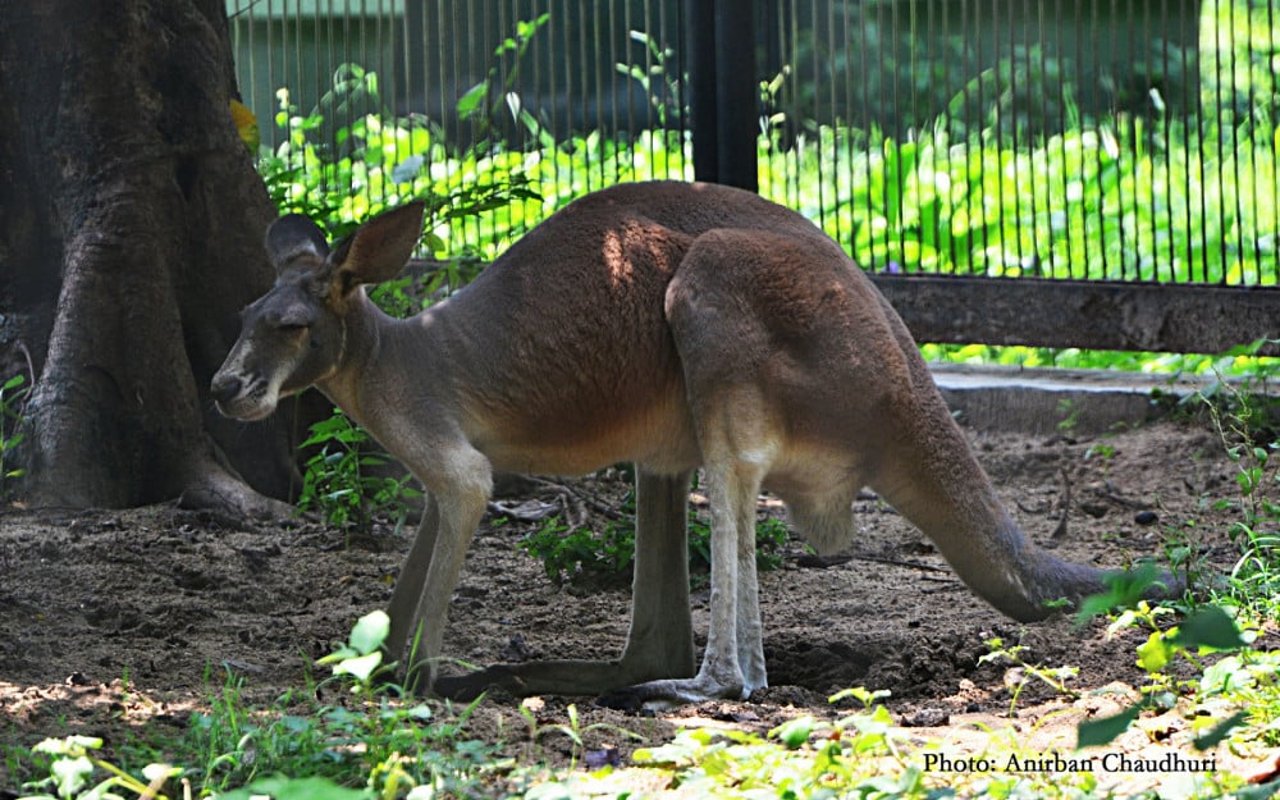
737	100
700	35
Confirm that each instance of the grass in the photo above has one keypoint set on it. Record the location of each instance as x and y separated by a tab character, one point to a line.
376	744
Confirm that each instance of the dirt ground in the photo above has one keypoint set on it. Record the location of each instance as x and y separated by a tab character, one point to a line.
116	619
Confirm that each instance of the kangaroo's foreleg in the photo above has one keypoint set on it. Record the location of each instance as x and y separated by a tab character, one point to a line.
458	483
410	582
660	640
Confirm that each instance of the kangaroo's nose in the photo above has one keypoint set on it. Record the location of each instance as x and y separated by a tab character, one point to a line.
225	388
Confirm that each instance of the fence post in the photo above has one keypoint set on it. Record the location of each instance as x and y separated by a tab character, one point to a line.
724	97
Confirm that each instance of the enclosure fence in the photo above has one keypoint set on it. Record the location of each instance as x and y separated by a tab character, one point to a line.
1071	142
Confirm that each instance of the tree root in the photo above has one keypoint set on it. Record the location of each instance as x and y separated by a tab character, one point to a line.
217	490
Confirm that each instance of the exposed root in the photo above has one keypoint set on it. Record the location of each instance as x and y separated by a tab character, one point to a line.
215	489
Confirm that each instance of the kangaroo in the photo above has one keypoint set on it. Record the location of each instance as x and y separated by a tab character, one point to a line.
677	326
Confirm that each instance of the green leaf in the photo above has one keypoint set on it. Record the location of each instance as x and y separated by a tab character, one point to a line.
1154	654
69	745
1228	675
341	654
71	774
1220	731
1094	733
1210	627
370	631
360	667
794	733
279	787
472	99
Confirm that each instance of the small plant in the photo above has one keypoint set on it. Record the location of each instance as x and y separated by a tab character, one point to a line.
573	730
1016	679
73	766
339	482
582	554
398	747
1208	630
1244	421
12	393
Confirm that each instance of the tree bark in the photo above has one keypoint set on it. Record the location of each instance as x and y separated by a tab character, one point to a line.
132	222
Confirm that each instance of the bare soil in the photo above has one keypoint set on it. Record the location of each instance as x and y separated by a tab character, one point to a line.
115	621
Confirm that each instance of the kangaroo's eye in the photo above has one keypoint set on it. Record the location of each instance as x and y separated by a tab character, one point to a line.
291	320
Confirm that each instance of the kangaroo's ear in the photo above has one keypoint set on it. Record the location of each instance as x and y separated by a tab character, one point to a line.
294	235
380	248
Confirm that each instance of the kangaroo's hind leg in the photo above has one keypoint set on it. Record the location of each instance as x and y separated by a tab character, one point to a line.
723	350
660	640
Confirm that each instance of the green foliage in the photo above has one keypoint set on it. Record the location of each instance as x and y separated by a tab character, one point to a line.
581	553
584	555
74	772
371	744
1245	418
13	393
1018	678
802	758
340	479
381	161
1207	630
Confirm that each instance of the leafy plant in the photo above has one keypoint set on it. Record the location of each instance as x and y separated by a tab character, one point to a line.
341	482
1017	679
383	161
72	762
12	394
398	746
1245	420
583	555
1209	629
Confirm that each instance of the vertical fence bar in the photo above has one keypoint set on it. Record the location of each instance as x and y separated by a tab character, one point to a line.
1270	132
867	161
736	96
847	122
700	63
1242	139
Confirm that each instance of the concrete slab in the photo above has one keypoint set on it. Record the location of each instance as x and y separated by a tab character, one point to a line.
1046	401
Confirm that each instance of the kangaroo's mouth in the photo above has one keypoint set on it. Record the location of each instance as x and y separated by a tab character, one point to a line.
255	400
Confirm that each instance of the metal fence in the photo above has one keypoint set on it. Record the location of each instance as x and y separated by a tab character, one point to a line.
1124	140
1098	140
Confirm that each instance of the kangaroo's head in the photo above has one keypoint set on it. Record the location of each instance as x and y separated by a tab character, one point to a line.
296	334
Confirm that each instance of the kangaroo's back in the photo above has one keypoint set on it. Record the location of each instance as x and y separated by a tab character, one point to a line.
573	313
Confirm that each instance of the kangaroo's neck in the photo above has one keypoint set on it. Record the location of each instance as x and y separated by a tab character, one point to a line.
383	359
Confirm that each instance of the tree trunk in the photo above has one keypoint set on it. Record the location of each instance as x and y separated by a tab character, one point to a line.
131	221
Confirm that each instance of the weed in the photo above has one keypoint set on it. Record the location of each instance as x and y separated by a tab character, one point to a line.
1069	414
72	762
1208	630
373	739
584	555
1016	679
1243	420
12	394
341	481
574	730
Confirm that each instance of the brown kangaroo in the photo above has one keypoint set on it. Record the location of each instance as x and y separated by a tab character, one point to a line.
673	325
